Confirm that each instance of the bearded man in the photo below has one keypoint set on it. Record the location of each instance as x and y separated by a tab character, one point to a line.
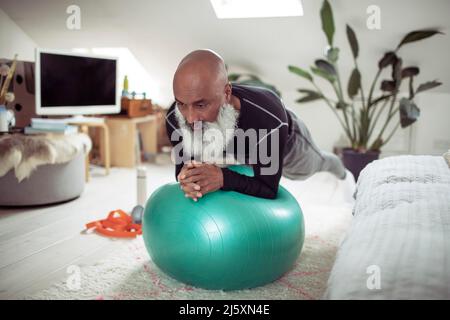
214	124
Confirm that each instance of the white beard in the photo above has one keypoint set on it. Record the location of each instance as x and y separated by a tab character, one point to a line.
208	140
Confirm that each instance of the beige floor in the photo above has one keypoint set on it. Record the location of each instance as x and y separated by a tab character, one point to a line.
37	245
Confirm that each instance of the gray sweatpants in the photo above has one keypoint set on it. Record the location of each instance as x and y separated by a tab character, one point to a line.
303	158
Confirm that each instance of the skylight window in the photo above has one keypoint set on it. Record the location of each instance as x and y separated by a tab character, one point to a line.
233	9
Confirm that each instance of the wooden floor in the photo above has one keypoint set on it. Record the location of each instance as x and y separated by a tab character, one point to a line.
38	244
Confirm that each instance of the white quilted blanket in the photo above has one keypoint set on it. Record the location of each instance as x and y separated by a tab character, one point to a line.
398	246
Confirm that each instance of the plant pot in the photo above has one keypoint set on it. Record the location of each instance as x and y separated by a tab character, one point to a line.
355	161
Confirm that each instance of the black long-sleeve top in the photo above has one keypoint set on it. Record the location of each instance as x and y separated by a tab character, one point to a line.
260	109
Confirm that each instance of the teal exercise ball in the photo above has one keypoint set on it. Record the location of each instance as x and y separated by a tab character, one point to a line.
226	240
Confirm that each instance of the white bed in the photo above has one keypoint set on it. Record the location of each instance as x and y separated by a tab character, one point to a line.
398	246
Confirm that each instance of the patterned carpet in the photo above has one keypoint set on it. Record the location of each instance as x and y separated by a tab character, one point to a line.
128	272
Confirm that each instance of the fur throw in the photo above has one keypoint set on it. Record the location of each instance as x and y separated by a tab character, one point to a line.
24	153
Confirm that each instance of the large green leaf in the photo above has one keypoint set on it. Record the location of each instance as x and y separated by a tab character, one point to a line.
379	99
410	72
333	54
326	67
388	85
353	41
326	14
253	77
341	105
307	91
397	71
418	35
300	72
354	83
428	85
323	74
309	96
237	76
409	112
234	77
388	59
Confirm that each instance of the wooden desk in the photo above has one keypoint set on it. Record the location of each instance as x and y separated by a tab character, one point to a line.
124	133
104	144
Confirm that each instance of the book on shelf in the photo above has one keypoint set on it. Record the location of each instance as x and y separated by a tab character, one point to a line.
67	130
48	124
45	125
70	120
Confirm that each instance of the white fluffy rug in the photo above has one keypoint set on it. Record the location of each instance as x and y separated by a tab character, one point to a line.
128	272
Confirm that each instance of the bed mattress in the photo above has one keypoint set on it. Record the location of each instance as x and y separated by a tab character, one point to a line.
398	246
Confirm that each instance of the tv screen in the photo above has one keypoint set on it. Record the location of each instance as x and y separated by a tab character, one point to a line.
76	81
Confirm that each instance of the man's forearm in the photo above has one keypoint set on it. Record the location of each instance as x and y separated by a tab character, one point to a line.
233	181
178	168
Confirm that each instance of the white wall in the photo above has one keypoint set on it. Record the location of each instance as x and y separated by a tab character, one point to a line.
432	133
13	40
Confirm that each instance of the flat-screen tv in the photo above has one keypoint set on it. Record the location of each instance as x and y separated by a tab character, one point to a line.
76	84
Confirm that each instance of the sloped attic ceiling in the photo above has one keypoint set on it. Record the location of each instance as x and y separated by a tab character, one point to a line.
160	32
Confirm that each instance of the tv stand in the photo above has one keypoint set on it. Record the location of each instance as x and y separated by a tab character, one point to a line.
84	123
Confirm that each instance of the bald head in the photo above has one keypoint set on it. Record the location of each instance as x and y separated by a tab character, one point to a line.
202	77
198	69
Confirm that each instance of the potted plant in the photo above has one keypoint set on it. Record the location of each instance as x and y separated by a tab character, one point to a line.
359	111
